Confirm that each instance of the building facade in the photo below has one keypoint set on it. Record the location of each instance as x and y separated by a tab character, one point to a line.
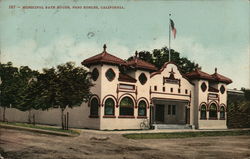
128	93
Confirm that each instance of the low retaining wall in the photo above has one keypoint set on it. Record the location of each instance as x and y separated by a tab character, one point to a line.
49	117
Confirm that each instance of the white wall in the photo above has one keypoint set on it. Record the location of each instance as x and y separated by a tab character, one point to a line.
212	124
78	116
157	80
202	97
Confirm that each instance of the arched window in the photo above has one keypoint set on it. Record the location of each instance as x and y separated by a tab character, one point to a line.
222	112
94	106
127	106
203	112
213	111
142	108
109	107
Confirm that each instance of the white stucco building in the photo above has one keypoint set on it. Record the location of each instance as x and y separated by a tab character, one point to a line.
128	92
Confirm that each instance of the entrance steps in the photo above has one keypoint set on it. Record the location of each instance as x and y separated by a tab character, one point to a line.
172	126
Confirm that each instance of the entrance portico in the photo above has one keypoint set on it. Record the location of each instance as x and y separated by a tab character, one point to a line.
169	111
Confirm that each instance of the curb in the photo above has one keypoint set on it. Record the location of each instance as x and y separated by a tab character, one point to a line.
49	132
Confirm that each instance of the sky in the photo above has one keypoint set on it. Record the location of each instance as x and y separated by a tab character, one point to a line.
210	33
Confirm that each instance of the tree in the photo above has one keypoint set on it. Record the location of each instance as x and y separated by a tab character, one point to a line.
9	87
238	109
28	92
245	105
160	56
65	86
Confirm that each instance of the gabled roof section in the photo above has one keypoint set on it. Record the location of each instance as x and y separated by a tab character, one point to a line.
164	66
198	74
103	57
126	78
141	64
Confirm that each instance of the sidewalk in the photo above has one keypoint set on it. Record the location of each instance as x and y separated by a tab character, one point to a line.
112	132
153	131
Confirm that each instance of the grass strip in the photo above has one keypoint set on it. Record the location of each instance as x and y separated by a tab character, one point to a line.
186	134
42	127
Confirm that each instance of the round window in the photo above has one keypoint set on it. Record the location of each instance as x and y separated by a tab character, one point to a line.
142	78
203	87
222	89
110	74
95	74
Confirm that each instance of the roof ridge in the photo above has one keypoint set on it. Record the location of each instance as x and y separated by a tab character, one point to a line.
103	57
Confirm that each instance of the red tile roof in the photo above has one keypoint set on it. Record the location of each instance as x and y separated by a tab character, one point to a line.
126	78
198	74
141	64
103	57
221	78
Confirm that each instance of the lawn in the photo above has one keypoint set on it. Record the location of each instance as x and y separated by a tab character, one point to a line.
186	134
50	128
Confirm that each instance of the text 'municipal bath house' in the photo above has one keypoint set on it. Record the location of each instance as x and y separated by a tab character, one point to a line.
125	93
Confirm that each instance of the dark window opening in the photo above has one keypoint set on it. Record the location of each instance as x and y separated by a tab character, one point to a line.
186	91
142	111
95	74
127	106
169	109
203	87
213	111
173	109
94	106
179	90
155	88
171	89
163	89
222	89
109	107
143	78
110	74
203	112
222	113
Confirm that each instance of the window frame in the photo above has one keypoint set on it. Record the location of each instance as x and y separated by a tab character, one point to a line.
143	78
145	108
105	107
122	108
92	113
169	109
203	111
222	89
224	113
172	109
203	87
107	75
93	73
211	111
